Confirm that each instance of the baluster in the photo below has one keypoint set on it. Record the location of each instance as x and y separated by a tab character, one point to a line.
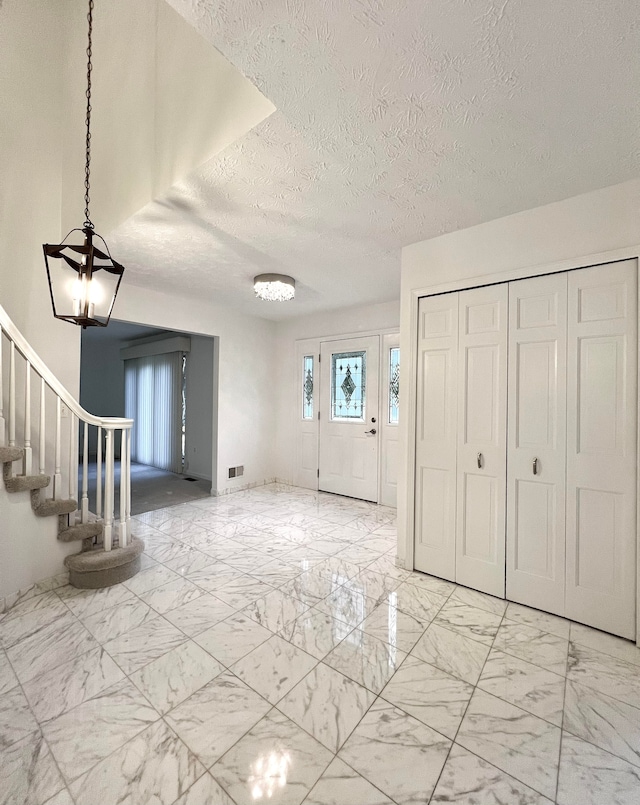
57	476
43	420
99	476
108	491
2	422
84	508
12	396
122	531
73	461
28	453
128	484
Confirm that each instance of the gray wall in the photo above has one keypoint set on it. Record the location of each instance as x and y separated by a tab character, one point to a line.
200	408
102	388
102	371
101	381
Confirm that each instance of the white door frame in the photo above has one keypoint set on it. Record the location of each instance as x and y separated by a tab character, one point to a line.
409	375
310	428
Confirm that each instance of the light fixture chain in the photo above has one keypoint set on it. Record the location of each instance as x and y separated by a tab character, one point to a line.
87	168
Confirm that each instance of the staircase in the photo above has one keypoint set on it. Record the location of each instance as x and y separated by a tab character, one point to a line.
109	553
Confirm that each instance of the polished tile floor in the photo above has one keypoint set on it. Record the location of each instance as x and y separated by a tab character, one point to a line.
271	652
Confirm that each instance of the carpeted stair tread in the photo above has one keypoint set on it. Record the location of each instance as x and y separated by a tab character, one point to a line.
80	531
10	454
99	559
25	483
46	508
99	568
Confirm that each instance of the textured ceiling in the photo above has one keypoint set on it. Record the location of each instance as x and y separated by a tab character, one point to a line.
396	121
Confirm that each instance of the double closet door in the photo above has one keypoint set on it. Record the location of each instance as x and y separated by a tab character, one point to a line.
526	442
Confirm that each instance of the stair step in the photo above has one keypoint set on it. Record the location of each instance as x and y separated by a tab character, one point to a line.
10	454
80	531
46	508
99	568
25	483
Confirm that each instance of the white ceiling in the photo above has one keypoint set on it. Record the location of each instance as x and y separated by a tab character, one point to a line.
396	121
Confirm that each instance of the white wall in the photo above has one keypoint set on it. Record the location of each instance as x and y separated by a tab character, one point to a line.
246	369
347	321
31	33
31	89
164	102
567	232
201	408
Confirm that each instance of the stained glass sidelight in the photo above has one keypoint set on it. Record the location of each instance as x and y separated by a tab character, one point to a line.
307	387
348	384
394	385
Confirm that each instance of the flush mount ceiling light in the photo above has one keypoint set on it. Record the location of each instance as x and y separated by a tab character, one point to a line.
83	290
274	287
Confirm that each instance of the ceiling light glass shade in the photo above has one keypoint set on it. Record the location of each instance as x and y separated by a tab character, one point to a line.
274	287
83	280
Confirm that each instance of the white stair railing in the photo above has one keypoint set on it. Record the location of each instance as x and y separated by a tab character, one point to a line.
54	449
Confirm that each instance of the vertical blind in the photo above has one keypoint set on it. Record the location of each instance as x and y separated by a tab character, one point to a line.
153	399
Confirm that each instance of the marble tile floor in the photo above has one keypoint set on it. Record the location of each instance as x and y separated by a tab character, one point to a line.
271	651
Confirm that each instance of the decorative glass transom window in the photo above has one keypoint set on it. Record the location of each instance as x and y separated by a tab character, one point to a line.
348	384
394	385
307	387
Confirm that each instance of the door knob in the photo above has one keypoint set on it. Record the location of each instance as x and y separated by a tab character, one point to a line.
479	461
372	431
535	466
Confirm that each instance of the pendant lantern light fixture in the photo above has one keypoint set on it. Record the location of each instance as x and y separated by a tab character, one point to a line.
274	287
85	279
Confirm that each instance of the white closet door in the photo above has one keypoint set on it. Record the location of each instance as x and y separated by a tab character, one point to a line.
537	442
435	515
482	452
601	447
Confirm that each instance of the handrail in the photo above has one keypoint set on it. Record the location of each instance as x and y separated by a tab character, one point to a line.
65	461
27	351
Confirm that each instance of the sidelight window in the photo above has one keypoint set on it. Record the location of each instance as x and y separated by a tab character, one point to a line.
307	387
394	385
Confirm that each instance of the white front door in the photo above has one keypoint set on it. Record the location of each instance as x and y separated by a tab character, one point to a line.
537	442
602	396
349	417
482	425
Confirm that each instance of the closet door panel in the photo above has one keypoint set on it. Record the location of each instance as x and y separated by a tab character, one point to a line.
536	442
481	475
436	436
602	447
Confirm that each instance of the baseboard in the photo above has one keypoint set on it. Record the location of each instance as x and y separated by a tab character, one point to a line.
219	493
402	563
44	586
